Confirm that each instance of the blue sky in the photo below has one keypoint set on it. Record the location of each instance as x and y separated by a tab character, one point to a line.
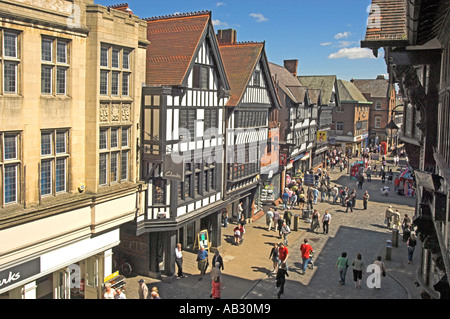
324	35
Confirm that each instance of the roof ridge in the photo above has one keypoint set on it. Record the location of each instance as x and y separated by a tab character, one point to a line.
178	15
240	43
119	5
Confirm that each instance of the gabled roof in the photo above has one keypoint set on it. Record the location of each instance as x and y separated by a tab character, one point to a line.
378	88
288	83
240	59
325	83
348	92
315	96
174	43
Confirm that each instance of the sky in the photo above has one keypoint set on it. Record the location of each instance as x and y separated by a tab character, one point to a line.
324	35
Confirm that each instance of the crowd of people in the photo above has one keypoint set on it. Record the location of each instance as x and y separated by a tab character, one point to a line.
304	197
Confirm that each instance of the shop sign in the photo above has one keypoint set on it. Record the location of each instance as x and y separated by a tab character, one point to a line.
173	167
203	240
321	136
308	179
19	273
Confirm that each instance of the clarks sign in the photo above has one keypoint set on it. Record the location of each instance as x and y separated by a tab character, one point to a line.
19	273
173	167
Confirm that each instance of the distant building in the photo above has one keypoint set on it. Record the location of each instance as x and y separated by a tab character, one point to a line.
323	92
351	119
381	93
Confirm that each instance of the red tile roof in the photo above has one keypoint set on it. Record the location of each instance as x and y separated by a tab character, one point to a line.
239	60
387	22
173	43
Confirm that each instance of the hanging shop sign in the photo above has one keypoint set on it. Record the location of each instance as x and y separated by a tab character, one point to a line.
173	167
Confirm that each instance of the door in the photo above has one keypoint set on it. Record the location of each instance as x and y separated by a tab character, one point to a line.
91	278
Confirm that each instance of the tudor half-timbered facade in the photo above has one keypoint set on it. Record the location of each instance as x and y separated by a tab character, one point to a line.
252	152
182	134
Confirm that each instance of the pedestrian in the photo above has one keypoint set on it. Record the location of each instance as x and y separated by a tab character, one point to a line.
281	279
396	183
326	219
237	234
179	260
342	264
349	204
202	261
306	251
269	218
274	257
120	294
109	293
388	216
380	272
366	198
240	210
218	258
154	293
323	192
143	289
334	193
288	217
396	220
358	267
285	198
411	244
276	217
242	221
302	200
315	220
285	231
283	254
315	194
215	272
406	224
216	287
293	200
225	217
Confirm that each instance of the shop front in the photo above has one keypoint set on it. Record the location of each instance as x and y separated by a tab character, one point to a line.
74	271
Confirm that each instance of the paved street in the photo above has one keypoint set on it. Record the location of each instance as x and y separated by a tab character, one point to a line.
247	272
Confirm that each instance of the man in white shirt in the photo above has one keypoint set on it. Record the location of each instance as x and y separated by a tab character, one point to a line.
326	221
269	218
179	260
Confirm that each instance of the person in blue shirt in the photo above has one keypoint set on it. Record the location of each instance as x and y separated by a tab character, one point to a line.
202	261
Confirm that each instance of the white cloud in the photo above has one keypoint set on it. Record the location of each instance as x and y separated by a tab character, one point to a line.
346	43
342	35
219	23
259	17
352	53
218	4
325	43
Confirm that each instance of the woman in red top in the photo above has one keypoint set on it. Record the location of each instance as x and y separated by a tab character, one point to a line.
216	286
283	254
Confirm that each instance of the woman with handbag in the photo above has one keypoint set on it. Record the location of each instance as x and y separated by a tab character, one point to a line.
380	273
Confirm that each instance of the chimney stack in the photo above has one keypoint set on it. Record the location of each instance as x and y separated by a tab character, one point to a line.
291	66
226	36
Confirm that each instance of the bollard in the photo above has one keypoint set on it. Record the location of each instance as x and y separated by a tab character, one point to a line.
395	238
296	221
388	250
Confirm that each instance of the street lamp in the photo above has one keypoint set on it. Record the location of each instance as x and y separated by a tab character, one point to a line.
391	128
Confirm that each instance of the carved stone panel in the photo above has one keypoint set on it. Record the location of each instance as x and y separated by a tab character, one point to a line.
104	113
